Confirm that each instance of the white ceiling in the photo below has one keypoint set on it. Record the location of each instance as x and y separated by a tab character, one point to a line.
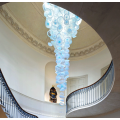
30	19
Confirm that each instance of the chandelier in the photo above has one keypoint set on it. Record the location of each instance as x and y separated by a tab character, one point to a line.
63	26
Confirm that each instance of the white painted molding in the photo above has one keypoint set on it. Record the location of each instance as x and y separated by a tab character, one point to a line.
38	45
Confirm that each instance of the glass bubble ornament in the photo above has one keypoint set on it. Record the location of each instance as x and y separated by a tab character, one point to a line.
63	26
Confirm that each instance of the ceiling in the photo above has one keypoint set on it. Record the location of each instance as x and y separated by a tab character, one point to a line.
28	22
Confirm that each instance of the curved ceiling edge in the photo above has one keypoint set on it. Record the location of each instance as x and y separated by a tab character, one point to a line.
39	46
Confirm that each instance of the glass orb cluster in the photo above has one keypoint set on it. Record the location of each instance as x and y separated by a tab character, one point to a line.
63	26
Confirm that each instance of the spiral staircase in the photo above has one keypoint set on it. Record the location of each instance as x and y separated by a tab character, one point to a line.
104	18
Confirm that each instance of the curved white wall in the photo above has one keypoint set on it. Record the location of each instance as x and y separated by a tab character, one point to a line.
91	66
24	68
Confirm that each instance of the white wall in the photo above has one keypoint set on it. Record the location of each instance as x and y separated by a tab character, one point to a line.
50	79
23	67
91	66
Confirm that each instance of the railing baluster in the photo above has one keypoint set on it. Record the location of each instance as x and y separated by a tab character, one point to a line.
11	108
107	81
14	109
78	97
5	99
90	94
17	111
19	114
8	101
93	93
3	93
104	87
86	96
68	103
105	84
74	100
8	104
99	91
83	97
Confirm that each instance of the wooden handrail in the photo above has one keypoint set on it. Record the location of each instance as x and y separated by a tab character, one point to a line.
93	83
13	95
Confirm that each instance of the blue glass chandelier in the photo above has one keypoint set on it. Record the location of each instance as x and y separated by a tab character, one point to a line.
63	26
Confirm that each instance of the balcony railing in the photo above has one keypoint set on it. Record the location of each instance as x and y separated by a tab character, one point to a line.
93	94
9	104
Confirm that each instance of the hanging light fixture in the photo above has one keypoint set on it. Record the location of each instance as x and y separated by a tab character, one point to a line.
63	26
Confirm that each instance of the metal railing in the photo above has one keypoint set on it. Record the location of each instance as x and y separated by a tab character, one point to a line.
9	104
92	94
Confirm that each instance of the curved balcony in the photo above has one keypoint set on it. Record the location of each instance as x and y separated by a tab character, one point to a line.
104	19
9	104
91	95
